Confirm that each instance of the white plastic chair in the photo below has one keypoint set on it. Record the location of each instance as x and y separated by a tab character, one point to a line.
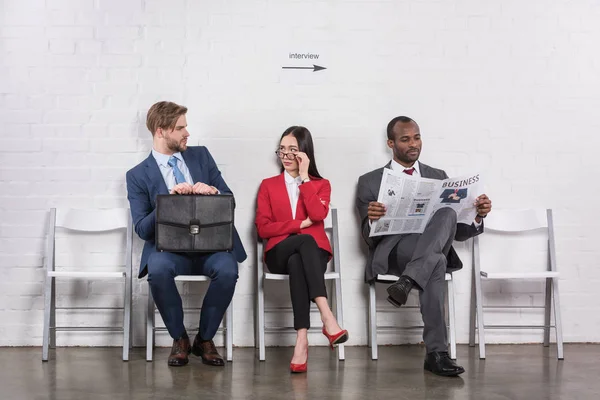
91	221
331	227
151	327
507	222
373	310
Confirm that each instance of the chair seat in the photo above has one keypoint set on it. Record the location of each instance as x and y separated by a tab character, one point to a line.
192	278
86	274
285	277
381	278
519	275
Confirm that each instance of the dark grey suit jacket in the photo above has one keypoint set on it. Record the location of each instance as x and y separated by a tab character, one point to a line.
381	246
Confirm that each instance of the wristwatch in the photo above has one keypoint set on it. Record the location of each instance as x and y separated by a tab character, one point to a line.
305	180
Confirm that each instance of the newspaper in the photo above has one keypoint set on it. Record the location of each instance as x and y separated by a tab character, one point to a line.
411	201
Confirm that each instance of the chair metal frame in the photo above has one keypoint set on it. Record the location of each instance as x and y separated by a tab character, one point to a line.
373	310
512	221
262	275
83	221
151	328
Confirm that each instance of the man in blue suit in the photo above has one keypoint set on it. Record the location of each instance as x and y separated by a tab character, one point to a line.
173	167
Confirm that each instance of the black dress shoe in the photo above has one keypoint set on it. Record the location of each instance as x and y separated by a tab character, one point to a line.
440	363
398	292
207	351
179	352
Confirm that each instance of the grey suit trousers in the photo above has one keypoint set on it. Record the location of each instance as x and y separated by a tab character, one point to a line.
422	257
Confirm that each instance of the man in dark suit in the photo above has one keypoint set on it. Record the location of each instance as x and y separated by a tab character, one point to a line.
420	260
173	167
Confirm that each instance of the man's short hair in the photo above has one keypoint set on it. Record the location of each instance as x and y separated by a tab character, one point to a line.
390	127
164	115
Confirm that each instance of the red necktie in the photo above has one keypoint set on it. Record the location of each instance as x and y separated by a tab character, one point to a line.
409	171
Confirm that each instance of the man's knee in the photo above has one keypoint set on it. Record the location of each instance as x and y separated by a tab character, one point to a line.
446	213
446	216
160	267
225	267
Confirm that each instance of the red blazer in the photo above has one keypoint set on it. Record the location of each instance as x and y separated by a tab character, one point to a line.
274	220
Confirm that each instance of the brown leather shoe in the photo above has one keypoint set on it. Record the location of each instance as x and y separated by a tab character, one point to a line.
179	352
207	350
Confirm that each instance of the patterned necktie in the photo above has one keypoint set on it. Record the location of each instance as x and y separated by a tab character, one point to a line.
179	178
409	171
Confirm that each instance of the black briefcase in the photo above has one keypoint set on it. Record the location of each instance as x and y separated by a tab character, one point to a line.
194	223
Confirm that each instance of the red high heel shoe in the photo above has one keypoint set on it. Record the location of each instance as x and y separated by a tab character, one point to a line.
299	368
338	338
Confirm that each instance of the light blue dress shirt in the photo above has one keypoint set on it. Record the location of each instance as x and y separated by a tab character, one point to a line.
167	172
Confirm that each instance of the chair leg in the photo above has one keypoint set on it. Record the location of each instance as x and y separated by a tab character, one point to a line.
229	332
478	297
255	320
261	320
149	326
480	325
373	320
557	319
547	312
127	319
53	314
472	314
339	313
46	333
451	319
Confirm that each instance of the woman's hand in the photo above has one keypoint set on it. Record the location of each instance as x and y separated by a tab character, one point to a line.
303	163
306	223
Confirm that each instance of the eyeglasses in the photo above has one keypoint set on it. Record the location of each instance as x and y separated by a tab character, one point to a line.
289	156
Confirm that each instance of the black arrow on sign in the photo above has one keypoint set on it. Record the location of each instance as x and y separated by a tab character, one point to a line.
315	68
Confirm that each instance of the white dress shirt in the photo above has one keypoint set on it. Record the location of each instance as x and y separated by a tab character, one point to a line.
397	167
167	171
292	184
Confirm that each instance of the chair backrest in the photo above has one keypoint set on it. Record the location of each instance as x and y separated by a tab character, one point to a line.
92	220
89	221
512	234
331	228
518	220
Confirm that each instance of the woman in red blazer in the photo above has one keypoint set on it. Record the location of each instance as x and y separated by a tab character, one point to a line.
290	211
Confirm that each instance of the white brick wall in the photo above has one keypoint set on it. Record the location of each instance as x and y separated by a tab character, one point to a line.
506	88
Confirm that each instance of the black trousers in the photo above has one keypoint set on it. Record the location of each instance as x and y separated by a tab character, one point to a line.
305	263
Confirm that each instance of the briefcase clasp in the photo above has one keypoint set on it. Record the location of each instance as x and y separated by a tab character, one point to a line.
194	227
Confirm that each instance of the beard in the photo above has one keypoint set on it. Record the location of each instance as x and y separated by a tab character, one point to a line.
405	157
176	146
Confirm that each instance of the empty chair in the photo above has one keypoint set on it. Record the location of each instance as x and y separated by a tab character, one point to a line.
86	221
373	310
333	274
516	224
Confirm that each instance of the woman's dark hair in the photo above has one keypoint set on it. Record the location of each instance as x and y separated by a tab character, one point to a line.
305	145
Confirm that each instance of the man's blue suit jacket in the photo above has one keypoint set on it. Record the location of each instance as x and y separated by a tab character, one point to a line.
145	182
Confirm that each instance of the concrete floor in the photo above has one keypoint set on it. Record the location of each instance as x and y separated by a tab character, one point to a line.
510	372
